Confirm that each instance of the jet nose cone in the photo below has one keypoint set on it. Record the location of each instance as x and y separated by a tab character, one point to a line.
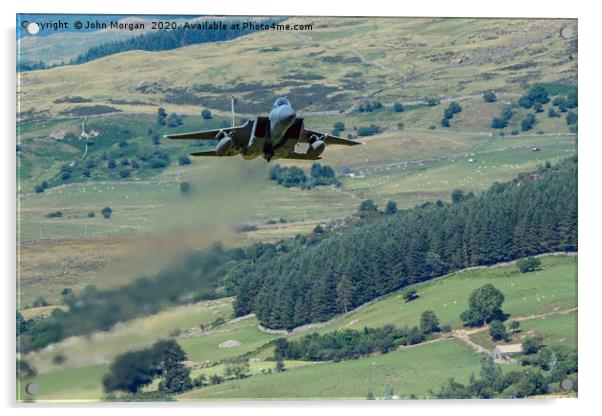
287	115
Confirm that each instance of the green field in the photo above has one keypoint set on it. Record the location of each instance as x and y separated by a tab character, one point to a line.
412	371
553	288
207	348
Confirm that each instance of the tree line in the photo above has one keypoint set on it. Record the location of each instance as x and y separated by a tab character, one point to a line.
350	343
296	282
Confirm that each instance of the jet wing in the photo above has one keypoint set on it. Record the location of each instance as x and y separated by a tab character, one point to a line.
327	138
238	134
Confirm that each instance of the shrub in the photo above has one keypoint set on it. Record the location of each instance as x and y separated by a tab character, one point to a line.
206	114
398	107
409	295
106	212
39	302
489	97
391	207
59	359
183	160
528	122
369	130
532	345
497	330
429	322
530	264
339	125
499	123
54	214
571	118
367	205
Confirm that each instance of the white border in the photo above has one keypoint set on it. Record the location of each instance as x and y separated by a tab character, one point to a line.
590	146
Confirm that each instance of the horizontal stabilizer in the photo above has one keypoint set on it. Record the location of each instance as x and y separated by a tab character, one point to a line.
207	153
328	139
300	156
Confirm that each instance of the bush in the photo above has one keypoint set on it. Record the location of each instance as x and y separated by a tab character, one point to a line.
489	97
497	330
206	114
106	212
39	302
499	123
458	196
339	125
59	359
532	345
398	107
91	214
409	295
218	321
571	118
391	208
530	264
183	160
528	122
571	100
216	379
367	205
369	131
54	214
429	322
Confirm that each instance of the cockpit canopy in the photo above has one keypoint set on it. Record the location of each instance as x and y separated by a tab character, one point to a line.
281	101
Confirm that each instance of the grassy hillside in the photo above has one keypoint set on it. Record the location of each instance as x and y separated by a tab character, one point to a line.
550	291
553	288
393	59
411	371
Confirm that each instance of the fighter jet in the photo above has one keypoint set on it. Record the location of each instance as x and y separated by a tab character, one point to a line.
272	137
